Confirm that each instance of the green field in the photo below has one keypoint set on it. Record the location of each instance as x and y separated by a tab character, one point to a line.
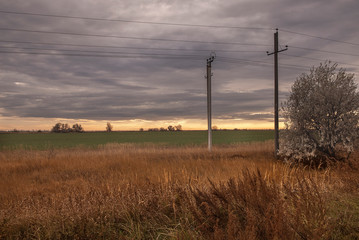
67	140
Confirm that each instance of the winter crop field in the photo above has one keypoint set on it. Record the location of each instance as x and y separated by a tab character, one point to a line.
65	140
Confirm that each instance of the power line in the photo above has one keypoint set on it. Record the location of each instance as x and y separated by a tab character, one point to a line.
247	62
322	38
139	55
119	54
166	49
238	60
103	52
164	56
125	47
325	51
133	21
163	23
288	66
317	59
175	24
107	55
126	37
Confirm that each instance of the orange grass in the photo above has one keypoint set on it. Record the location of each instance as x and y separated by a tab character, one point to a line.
126	191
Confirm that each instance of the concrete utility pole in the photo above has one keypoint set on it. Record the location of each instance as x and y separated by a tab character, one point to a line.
276	103
209	101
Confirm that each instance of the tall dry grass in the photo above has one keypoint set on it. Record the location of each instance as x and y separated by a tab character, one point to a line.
159	192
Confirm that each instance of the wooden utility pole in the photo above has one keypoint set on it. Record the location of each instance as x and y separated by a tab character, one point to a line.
209	101
276	101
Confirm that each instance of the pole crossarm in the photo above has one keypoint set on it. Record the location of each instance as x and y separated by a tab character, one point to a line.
282	50
210	60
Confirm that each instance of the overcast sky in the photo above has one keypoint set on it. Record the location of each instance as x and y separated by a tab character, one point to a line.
135	73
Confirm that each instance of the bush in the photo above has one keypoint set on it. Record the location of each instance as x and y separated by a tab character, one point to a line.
321	116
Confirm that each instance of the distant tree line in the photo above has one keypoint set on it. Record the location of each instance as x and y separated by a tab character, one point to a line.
162	129
65	128
23	131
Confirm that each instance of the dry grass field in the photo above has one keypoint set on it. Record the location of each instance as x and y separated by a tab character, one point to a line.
126	191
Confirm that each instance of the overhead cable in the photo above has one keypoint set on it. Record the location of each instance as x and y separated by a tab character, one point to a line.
324	51
107	55
127	37
134	21
102	52
318	37
317	59
123	47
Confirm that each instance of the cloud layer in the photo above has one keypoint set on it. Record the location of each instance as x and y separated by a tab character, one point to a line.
157	79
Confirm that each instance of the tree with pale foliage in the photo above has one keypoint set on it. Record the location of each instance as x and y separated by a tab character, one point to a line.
109	127
321	116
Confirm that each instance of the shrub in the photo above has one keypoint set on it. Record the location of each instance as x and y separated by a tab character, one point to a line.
321	116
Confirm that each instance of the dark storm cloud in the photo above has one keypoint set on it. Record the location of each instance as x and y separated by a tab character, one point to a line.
144	84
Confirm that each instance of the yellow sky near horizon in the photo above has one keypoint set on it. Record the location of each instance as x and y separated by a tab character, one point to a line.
10	123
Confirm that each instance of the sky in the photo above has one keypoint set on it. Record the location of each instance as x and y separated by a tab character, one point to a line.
142	63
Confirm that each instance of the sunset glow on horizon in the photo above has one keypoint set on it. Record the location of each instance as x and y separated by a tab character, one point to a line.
34	124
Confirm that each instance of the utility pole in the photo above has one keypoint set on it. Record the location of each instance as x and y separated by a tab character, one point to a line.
209	101
276	103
